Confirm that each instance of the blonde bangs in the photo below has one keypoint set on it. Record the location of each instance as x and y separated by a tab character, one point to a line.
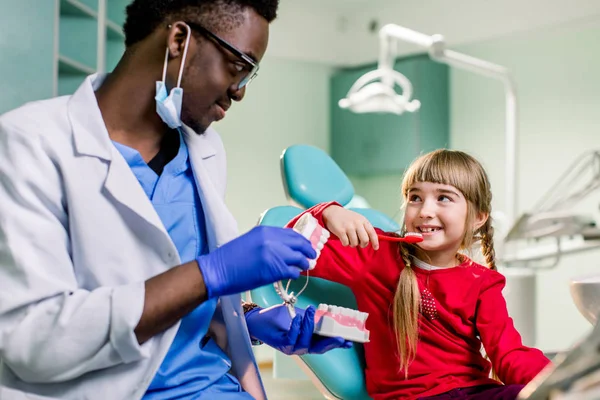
444	167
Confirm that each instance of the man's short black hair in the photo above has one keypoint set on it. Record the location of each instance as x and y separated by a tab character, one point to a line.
144	16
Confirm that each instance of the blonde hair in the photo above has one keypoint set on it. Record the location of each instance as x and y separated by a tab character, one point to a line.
458	169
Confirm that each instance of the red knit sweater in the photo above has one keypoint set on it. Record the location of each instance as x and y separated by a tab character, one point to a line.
465	304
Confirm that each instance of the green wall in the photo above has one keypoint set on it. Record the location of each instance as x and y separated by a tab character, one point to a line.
26	52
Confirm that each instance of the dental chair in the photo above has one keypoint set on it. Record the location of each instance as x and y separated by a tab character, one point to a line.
310	177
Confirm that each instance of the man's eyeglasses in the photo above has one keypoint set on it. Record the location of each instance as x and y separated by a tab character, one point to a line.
249	61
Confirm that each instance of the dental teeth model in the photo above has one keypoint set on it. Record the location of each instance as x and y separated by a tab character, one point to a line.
333	321
309	227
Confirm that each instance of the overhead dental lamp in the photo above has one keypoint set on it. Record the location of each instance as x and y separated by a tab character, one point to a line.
368	95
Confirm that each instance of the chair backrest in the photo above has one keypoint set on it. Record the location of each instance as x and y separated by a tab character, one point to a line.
340	371
310	176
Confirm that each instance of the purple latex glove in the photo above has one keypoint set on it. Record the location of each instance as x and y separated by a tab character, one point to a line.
264	255
274	327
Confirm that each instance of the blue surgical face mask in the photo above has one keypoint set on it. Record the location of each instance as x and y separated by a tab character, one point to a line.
168	105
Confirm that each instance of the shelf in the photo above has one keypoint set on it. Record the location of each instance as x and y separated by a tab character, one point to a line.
79	40
67	66
76	8
114	32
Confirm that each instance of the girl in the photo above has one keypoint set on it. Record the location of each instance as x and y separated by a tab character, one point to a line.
430	307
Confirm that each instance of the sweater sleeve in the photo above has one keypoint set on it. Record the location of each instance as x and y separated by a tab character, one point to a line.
338	263
513	362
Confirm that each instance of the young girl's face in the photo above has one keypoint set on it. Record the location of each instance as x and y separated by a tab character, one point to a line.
439	213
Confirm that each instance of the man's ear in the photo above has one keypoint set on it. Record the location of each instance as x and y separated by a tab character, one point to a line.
480	220
176	39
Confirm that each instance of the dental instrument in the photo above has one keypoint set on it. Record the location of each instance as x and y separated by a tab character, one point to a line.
551	229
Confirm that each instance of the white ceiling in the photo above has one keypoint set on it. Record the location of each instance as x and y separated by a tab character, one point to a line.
337	32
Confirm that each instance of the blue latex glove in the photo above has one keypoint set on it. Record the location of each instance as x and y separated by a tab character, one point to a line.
262	256
274	327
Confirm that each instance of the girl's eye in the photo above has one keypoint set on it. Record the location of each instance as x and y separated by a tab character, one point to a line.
444	198
414	198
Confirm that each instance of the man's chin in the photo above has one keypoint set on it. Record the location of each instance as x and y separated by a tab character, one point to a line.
197	126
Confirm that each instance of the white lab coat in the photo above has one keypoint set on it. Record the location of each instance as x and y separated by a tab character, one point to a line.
78	238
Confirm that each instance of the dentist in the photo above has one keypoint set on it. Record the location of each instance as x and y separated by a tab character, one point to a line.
120	265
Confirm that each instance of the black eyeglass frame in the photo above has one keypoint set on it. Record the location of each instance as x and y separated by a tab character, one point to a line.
254	66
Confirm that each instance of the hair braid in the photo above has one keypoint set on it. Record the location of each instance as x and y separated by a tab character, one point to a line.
487	244
406	312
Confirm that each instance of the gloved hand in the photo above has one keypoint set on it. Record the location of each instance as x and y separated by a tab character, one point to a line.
274	327
264	255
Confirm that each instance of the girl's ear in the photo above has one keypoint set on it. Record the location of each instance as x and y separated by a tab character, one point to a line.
480	220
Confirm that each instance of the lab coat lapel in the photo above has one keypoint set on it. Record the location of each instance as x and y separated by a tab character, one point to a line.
221	224
91	139
221	228
124	187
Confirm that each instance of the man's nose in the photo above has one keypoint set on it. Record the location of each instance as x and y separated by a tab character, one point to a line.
236	94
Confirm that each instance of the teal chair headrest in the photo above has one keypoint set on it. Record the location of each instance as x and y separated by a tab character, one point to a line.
310	176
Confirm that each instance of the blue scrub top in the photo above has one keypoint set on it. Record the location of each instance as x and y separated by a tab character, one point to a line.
195	366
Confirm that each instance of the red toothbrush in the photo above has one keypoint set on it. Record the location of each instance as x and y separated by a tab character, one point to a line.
409	237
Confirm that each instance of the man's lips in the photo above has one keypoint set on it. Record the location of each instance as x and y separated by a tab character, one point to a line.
221	111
